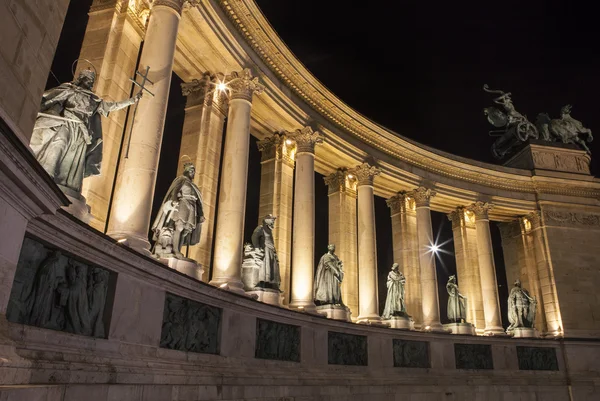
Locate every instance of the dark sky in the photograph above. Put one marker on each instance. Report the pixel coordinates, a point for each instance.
(417, 68)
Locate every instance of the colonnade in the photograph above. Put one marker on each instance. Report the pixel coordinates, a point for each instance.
(351, 200)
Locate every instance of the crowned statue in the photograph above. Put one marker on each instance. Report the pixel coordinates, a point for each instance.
(179, 220)
(521, 308)
(457, 302)
(328, 280)
(67, 136)
(394, 302)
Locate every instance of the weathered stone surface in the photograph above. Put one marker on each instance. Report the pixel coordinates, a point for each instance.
(347, 349)
(537, 358)
(473, 356)
(411, 354)
(190, 326)
(278, 341)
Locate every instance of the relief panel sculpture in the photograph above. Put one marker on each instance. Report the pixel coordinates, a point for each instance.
(537, 358)
(473, 356)
(347, 349)
(277, 341)
(411, 354)
(55, 291)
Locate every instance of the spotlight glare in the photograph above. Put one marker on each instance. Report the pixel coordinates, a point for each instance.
(221, 86)
(288, 142)
(434, 248)
(350, 176)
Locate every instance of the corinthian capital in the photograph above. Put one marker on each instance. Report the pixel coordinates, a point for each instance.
(402, 202)
(462, 216)
(277, 147)
(365, 173)
(535, 219)
(176, 5)
(422, 196)
(480, 209)
(306, 139)
(341, 181)
(242, 86)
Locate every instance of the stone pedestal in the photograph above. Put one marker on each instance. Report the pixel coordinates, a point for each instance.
(548, 158)
(335, 312)
(266, 295)
(78, 207)
(525, 332)
(400, 322)
(188, 267)
(460, 328)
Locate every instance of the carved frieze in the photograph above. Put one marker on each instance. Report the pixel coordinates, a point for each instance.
(347, 349)
(190, 326)
(473, 356)
(411, 354)
(55, 291)
(569, 219)
(558, 159)
(242, 85)
(365, 173)
(306, 139)
(277, 341)
(537, 358)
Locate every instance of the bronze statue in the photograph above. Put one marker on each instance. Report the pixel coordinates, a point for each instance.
(328, 280)
(566, 128)
(262, 238)
(457, 302)
(394, 303)
(67, 136)
(521, 308)
(179, 220)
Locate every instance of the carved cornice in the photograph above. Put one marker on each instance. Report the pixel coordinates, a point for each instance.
(277, 147)
(365, 173)
(341, 181)
(306, 139)
(422, 196)
(462, 217)
(255, 29)
(242, 85)
(402, 202)
(480, 209)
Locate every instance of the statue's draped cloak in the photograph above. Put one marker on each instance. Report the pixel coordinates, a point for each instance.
(188, 210)
(521, 309)
(327, 281)
(456, 305)
(394, 302)
(70, 150)
(262, 238)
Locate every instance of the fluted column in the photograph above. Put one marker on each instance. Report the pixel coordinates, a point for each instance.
(229, 233)
(201, 143)
(467, 264)
(132, 202)
(429, 288)
(405, 247)
(368, 299)
(487, 269)
(342, 231)
(276, 198)
(303, 246)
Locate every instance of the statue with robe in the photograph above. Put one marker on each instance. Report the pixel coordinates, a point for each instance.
(521, 308)
(179, 220)
(457, 303)
(67, 136)
(263, 245)
(328, 280)
(394, 302)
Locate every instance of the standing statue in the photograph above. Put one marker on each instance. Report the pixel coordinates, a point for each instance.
(394, 303)
(262, 238)
(516, 127)
(521, 308)
(67, 136)
(566, 128)
(457, 308)
(328, 280)
(179, 220)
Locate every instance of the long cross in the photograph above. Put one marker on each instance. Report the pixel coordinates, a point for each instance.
(142, 87)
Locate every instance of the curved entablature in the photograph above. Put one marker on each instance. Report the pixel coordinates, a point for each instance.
(294, 97)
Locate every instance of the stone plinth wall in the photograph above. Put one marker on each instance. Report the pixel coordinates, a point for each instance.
(170, 337)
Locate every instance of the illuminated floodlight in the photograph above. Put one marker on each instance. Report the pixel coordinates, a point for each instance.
(434, 248)
(221, 86)
(288, 142)
(350, 176)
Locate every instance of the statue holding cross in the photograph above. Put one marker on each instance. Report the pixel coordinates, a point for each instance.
(67, 136)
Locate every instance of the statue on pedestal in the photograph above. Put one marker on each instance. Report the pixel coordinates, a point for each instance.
(67, 136)
(457, 303)
(328, 280)
(179, 220)
(566, 128)
(260, 268)
(521, 308)
(394, 303)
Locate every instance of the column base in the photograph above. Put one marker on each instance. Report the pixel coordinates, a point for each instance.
(229, 284)
(266, 295)
(495, 332)
(303, 306)
(188, 267)
(371, 320)
(138, 244)
(460, 328)
(524, 332)
(335, 312)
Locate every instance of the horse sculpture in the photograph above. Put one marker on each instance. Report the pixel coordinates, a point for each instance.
(566, 128)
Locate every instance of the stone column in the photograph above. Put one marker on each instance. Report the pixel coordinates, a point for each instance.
(136, 179)
(368, 299)
(112, 43)
(429, 288)
(545, 274)
(201, 142)
(405, 246)
(276, 197)
(303, 245)
(467, 264)
(342, 231)
(229, 233)
(487, 270)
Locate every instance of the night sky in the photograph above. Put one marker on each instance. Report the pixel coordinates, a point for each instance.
(418, 69)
